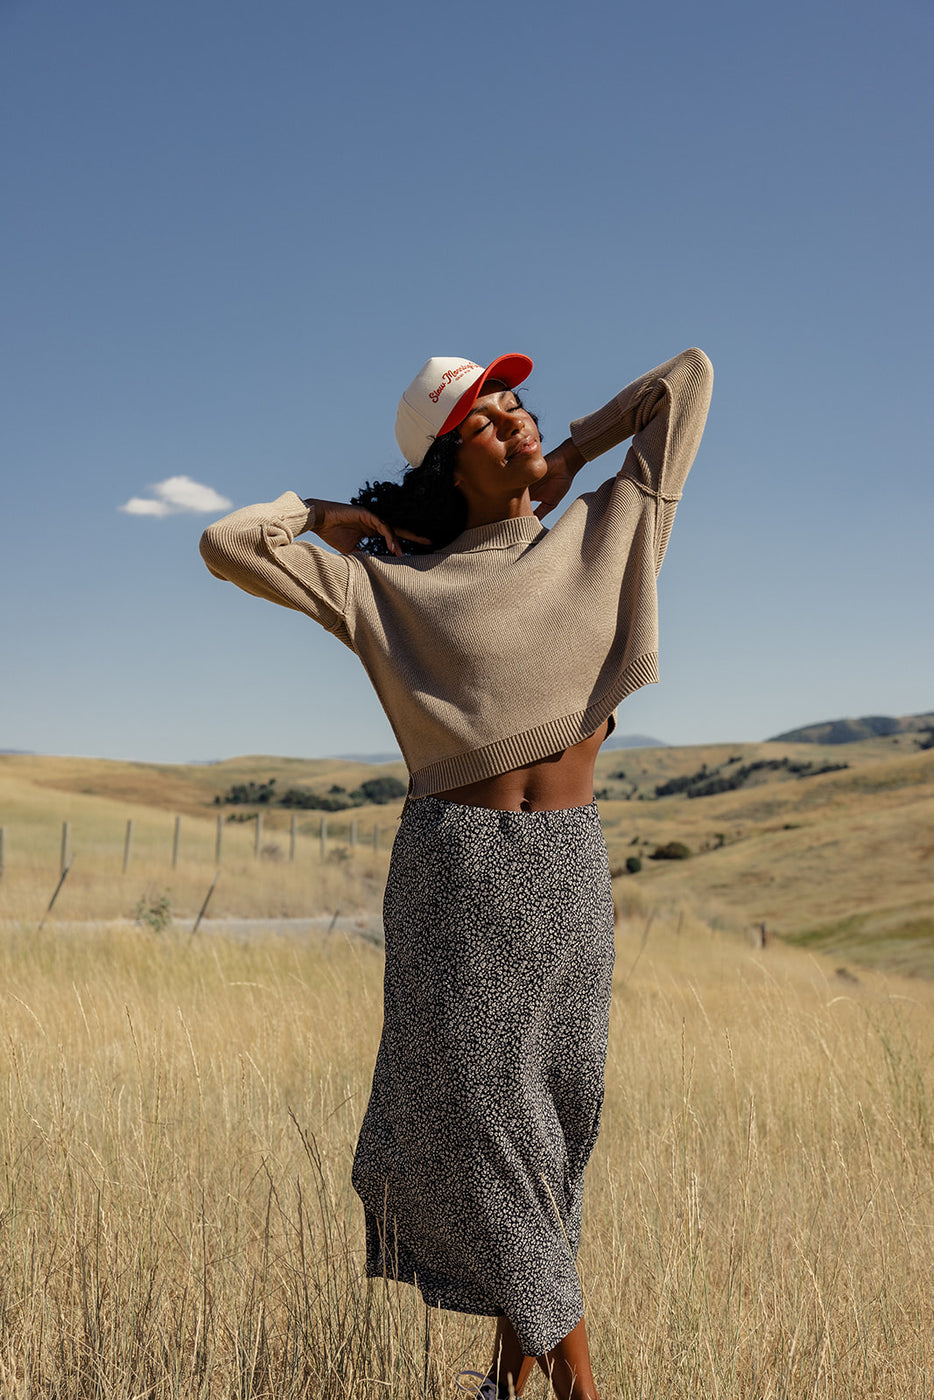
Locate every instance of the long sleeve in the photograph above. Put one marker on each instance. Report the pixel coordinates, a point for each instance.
(664, 413)
(256, 549)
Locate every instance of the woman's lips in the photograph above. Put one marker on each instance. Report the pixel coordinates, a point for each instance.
(526, 446)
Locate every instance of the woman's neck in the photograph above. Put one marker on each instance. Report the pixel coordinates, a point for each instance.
(489, 512)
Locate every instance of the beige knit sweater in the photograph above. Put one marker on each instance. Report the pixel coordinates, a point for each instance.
(514, 642)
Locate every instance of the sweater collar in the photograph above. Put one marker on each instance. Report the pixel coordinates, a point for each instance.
(500, 534)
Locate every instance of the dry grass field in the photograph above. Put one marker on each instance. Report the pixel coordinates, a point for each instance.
(179, 1114)
(178, 1119)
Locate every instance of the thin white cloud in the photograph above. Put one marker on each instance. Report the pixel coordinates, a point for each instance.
(137, 505)
(175, 496)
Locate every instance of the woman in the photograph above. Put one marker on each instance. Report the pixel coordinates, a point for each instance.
(500, 651)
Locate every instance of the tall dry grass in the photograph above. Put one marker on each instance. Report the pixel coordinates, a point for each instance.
(178, 1119)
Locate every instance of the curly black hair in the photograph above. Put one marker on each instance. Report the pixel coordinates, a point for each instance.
(425, 502)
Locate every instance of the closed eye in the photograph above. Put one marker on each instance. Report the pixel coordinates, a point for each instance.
(478, 424)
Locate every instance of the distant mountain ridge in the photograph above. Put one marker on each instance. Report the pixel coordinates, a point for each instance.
(368, 757)
(634, 741)
(850, 731)
(616, 741)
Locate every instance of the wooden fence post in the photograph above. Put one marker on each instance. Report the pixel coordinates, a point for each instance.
(324, 838)
(207, 899)
(175, 840)
(258, 835)
(219, 841)
(66, 838)
(127, 844)
(61, 881)
(293, 827)
(375, 839)
(353, 835)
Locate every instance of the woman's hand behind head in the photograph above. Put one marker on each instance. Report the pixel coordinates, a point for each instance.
(563, 462)
(424, 508)
(344, 526)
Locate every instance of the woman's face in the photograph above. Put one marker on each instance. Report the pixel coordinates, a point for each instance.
(501, 451)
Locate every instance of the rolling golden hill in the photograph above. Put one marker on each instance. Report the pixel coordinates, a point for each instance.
(837, 860)
(840, 860)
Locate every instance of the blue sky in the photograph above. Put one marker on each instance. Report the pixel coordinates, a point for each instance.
(232, 233)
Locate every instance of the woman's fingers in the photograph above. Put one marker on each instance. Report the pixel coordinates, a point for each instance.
(416, 539)
(550, 491)
(392, 538)
(343, 526)
(365, 523)
(388, 535)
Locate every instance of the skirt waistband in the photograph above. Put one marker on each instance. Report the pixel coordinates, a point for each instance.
(434, 810)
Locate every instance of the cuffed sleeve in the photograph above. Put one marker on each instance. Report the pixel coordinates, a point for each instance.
(664, 413)
(256, 549)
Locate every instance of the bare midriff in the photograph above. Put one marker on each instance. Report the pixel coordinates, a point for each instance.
(549, 785)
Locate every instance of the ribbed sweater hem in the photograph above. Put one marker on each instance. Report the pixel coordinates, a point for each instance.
(519, 750)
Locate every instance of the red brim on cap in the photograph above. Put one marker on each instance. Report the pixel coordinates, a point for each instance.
(508, 369)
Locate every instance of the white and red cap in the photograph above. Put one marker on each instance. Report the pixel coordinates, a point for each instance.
(443, 393)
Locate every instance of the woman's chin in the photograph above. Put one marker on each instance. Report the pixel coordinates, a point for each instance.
(533, 468)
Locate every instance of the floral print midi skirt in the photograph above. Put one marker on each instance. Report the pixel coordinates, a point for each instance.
(488, 1084)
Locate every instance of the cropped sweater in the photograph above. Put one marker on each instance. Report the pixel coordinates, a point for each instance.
(514, 642)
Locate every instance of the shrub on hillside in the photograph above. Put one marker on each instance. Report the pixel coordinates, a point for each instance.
(381, 790)
(254, 794)
(336, 799)
(675, 850)
(707, 783)
(154, 911)
(306, 800)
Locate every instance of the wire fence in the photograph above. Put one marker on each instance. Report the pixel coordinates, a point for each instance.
(235, 835)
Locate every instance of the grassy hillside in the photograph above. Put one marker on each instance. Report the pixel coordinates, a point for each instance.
(841, 861)
(847, 731)
(184, 787)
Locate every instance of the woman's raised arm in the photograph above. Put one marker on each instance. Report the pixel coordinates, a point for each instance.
(664, 413)
(256, 549)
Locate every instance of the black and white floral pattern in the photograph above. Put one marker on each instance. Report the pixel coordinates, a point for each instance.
(488, 1084)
